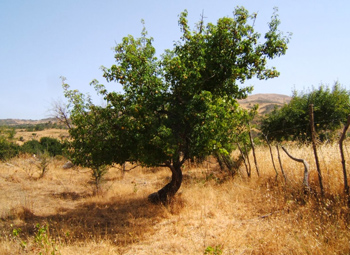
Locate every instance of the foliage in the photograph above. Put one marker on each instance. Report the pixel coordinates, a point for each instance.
(179, 107)
(32, 147)
(16, 235)
(53, 146)
(7, 132)
(30, 127)
(7, 149)
(291, 122)
(217, 250)
(40, 126)
(46, 144)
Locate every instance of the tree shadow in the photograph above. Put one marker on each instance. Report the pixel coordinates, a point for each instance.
(122, 222)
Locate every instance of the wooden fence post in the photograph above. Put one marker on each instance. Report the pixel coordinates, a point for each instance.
(248, 160)
(273, 162)
(253, 149)
(280, 161)
(346, 186)
(244, 160)
(313, 138)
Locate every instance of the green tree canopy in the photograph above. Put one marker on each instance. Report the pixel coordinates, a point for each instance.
(180, 106)
(292, 121)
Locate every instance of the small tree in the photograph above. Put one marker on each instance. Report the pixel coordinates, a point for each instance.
(92, 145)
(43, 163)
(180, 107)
(292, 121)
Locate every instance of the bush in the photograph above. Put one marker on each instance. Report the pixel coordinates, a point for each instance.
(32, 147)
(8, 149)
(291, 122)
(53, 146)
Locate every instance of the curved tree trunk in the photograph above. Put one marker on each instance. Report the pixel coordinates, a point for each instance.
(165, 194)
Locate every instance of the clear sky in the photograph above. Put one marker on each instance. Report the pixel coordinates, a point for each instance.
(42, 40)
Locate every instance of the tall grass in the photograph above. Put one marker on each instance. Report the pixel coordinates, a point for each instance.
(211, 213)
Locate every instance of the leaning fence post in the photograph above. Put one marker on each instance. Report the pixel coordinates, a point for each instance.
(253, 150)
(346, 186)
(313, 138)
(280, 161)
(273, 162)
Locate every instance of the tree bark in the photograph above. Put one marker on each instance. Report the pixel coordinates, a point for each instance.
(165, 194)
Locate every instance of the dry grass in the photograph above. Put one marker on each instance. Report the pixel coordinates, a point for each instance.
(234, 216)
(27, 136)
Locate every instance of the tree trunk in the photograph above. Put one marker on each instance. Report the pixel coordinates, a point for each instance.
(164, 195)
(226, 162)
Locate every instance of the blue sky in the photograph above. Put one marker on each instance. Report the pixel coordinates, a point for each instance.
(42, 40)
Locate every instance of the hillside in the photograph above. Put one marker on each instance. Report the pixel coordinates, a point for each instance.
(266, 102)
(16, 122)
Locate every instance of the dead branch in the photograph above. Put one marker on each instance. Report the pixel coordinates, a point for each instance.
(306, 169)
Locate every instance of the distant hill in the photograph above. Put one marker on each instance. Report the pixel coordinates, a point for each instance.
(267, 102)
(16, 122)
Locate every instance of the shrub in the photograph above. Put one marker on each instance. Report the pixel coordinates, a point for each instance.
(292, 121)
(52, 146)
(8, 149)
(32, 147)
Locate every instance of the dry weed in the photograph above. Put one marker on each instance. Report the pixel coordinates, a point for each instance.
(264, 215)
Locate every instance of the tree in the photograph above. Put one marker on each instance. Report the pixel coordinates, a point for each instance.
(291, 122)
(59, 111)
(181, 106)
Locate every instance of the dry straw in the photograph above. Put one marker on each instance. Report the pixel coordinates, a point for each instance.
(213, 213)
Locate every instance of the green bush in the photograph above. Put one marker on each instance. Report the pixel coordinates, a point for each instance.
(292, 121)
(32, 147)
(53, 146)
(8, 149)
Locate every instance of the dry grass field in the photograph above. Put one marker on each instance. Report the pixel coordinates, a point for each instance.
(212, 214)
(27, 135)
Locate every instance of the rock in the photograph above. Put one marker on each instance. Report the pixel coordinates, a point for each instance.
(67, 165)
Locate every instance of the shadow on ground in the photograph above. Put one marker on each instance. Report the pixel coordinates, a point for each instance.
(122, 222)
